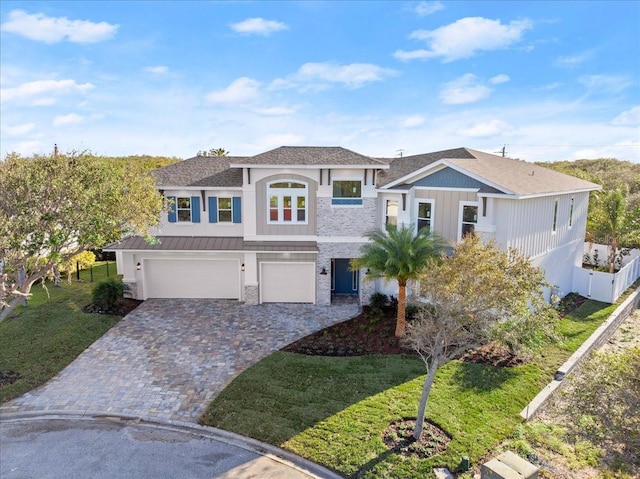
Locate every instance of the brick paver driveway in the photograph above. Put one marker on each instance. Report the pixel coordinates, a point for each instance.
(169, 358)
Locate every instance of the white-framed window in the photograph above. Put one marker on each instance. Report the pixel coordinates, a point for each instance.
(287, 202)
(183, 209)
(347, 192)
(391, 213)
(468, 218)
(425, 215)
(555, 216)
(571, 205)
(225, 210)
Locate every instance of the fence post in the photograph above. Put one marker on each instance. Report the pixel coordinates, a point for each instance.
(91, 271)
(78, 270)
(107, 268)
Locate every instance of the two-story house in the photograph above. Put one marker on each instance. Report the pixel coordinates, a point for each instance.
(281, 226)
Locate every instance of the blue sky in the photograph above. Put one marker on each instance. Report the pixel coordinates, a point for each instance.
(550, 80)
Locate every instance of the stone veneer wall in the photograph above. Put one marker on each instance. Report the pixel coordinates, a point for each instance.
(351, 222)
(327, 251)
(251, 294)
(346, 220)
(130, 290)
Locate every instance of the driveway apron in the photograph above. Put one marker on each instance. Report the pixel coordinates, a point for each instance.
(170, 357)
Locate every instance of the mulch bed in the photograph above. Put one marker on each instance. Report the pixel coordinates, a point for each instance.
(122, 307)
(367, 334)
(398, 437)
(8, 377)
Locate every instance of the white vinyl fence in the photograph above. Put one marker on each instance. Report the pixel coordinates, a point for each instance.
(606, 287)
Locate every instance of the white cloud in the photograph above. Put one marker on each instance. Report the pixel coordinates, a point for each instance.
(18, 130)
(412, 121)
(36, 90)
(463, 90)
(321, 75)
(484, 129)
(412, 55)
(275, 111)
(629, 117)
(605, 83)
(156, 70)
(46, 29)
(498, 79)
(27, 148)
(466, 37)
(572, 60)
(70, 119)
(258, 26)
(549, 87)
(239, 91)
(427, 8)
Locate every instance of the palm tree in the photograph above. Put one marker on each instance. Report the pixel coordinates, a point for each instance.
(615, 221)
(398, 254)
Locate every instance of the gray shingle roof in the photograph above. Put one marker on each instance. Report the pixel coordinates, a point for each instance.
(406, 165)
(201, 171)
(516, 176)
(311, 155)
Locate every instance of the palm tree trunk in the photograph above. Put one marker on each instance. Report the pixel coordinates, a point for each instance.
(426, 389)
(401, 322)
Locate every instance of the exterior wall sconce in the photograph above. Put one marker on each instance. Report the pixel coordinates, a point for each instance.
(323, 271)
(242, 267)
(138, 266)
(368, 271)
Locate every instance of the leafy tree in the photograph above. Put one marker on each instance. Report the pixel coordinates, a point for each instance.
(613, 222)
(399, 254)
(213, 152)
(479, 295)
(614, 175)
(55, 207)
(603, 401)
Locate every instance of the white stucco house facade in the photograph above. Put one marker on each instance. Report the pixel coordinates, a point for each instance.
(281, 226)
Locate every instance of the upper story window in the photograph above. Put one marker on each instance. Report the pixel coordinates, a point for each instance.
(225, 209)
(287, 202)
(184, 209)
(391, 214)
(425, 215)
(347, 192)
(468, 219)
(555, 216)
(571, 213)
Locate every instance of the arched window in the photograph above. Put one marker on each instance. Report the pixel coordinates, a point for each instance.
(287, 202)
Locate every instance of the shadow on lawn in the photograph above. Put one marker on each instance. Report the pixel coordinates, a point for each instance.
(481, 377)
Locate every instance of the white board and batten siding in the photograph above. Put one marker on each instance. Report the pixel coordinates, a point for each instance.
(527, 224)
(191, 278)
(287, 282)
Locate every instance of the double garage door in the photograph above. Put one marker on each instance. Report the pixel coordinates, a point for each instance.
(184, 278)
(287, 283)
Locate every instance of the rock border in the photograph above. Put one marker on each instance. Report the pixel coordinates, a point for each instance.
(597, 339)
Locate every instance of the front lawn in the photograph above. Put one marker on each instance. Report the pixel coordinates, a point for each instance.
(334, 410)
(38, 341)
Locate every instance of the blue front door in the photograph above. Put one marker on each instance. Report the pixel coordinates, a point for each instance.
(345, 281)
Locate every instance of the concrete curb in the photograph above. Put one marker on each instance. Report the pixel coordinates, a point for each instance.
(286, 458)
(597, 339)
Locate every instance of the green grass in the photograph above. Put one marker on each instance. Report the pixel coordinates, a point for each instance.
(333, 411)
(40, 340)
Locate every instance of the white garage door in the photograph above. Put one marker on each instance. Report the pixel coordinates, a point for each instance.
(164, 278)
(287, 282)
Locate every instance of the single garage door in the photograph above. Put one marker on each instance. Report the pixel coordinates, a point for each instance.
(287, 282)
(180, 278)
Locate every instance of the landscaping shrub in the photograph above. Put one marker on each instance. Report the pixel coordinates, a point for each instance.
(106, 293)
(378, 301)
